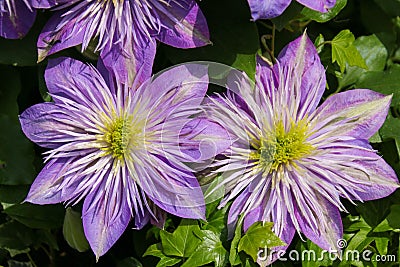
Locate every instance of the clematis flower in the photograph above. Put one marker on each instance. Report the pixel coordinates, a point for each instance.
(293, 161)
(125, 31)
(120, 149)
(16, 18)
(267, 9)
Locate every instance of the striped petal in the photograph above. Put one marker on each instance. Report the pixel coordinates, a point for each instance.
(54, 38)
(358, 113)
(44, 188)
(67, 78)
(330, 228)
(16, 25)
(101, 228)
(302, 56)
(318, 5)
(127, 60)
(184, 25)
(265, 9)
(46, 125)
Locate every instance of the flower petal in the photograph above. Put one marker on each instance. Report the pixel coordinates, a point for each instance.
(358, 113)
(207, 139)
(49, 3)
(189, 81)
(71, 79)
(184, 25)
(261, 9)
(303, 57)
(17, 25)
(131, 63)
(378, 179)
(330, 229)
(44, 188)
(44, 124)
(175, 191)
(105, 216)
(318, 5)
(55, 37)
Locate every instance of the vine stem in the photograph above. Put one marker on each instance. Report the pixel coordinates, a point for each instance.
(31, 260)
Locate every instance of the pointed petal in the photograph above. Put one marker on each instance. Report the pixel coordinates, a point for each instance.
(261, 9)
(302, 55)
(141, 219)
(207, 139)
(41, 124)
(44, 188)
(378, 179)
(131, 63)
(358, 113)
(189, 81)
(184, 25)
(52, 40)
(318, 5)
(101, 230)
(330, 228)
(178, 193)
(17, 25)
(72, 79)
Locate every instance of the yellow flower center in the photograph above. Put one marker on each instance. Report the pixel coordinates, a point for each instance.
(117, 137)
(282, 146)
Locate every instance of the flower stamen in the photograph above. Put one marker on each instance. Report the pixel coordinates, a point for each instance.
(282, 146)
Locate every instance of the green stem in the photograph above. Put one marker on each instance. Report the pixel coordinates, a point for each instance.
(265, 24)
(31, 260)
(324, 43)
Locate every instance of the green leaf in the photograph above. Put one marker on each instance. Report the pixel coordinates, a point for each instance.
(392, 221)
(344, 52)
(16, 154)
(374, 211)
(13, 193)
(259, 236)
(234, 258)
(73, 230)
(324, 17)
(168, 261)
(129, 262)
(373, 52)
(37, 216)
(319, 43)
(209, 250)
(382, 245)
(182, 242)
(156, 251)
(9, 90)
(225, 28)
(385, 82)
(308, 249)
(16, 151)
(16, 236)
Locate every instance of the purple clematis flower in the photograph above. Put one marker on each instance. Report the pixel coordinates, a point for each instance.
(120, 149)
(293, 161)
(267, 9)
(125, 31)
(16, 18)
